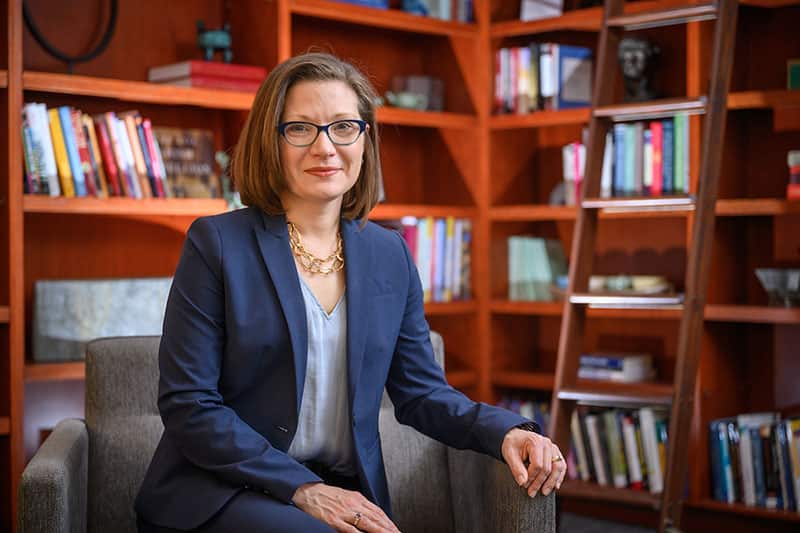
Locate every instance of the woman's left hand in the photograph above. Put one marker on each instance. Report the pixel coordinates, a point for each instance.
(546, 466)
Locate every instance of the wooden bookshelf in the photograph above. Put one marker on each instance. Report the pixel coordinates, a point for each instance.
(593, 491)
(74, 370)
(135, 91)
(393, 19)
(542, 381)
(4, 314)
(462, 379)
(461, 307)
(188, 207)
(541, 119)
(746, 510)
(398, 211)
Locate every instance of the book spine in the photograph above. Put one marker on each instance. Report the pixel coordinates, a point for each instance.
(619, 159)
(155, 183)
(129, 121)
(83, 153)
(578, 443)
(631, 451)
(667, 156)
(32, 177)
(60, 151)
(597, 454)
(95, 155)
(656, 481)
(65, 117)
(108, 159)
(125, 179)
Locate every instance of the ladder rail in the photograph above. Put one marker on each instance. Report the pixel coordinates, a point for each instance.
(583, 242)
(692, 324)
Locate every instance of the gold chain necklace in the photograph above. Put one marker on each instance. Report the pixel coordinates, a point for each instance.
(311, 263)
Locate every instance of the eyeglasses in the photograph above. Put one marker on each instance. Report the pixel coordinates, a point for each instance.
(340, 132)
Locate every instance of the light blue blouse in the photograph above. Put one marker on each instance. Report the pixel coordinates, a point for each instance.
(323, 430)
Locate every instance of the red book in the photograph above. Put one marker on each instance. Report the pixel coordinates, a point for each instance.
(793, 191)
(193, 68)
(107, 155)
(657, 140)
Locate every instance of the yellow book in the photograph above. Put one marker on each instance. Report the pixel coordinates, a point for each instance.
(60, 149)
(88, 125)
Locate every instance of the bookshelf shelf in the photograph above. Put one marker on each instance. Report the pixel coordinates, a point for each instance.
(397, 211)
(524, 380)
(462, 379)
(136, 91)
(757, 207)
(534, 212)
(600, 392)
(3, 78)
(393, 19)
(593, 491)
(425, 119)
(4, 314)
(753, 314)
(651, 109)
(5, 425)
(746, 510)
(589, 19)
(451, 308)
(506, 307)
(540, 119)
(191, 207)
(763, 99)
(75, 370)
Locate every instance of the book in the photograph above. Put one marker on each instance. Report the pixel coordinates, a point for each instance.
(188, 156)
(574, 77)
(540, 9)
(213, 82)
(71, 145)
(60, 151)
(215, 69)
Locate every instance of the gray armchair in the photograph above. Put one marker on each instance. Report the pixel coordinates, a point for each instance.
(87, 473)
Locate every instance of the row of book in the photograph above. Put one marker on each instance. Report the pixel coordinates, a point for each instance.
(624, 448)
(542, 76)
(755, 460)
(534, 266)
(531, 409)
(441, 249)
(456, 10)
(73, 154)
(640, 159)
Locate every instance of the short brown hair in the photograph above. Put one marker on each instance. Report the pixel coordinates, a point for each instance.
(256, 165)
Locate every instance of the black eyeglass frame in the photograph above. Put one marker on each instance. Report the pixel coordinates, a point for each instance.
(362, 126)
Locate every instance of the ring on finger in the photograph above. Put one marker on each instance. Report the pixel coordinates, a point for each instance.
(356, 519)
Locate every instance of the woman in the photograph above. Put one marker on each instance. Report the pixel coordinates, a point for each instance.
(285, 322)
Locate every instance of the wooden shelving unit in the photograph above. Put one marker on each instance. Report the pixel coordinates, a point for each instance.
(393, 19)
(593, 491)
(190, 207)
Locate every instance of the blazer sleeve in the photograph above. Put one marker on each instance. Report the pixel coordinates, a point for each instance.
(207, 432)
(423, 399)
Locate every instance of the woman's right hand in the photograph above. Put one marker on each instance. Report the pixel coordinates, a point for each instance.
(343, 510)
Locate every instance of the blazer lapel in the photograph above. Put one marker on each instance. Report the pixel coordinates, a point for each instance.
(358, 264)
(273, 241)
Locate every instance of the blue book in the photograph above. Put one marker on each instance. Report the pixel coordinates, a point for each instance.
(667, 155)
(758, 467)
(574, 77)
(629, 186)
(71, 143)
(787, 483)
(719, 490)
(618, 182)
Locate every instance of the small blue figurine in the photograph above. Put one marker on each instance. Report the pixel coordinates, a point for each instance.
(212, 40)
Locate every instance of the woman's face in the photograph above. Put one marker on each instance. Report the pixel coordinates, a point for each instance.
(322, 172)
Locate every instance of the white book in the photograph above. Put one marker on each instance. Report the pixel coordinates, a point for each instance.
(631, 450)
(597, 450)
(647, 160)
(606, 178)
(42, 130)
(127, 154)
(650, 444)
(746, 422)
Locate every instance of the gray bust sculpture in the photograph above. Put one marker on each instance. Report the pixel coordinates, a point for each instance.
(638, 59)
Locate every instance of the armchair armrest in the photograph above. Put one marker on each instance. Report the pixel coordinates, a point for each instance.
(486, 497)
(52, 493)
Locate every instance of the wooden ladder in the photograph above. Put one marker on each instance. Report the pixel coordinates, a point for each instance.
(568, 391)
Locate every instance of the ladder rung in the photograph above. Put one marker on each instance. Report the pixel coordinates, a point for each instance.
(628, 301)
(665, 17)
(664, 107)
(586, 396)
(655, 203)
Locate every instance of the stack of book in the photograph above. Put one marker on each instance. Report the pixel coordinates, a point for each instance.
(542, 76)
(441, 249)
(209, 74)
(619, 367)
(73, 154)
(640, 159)
(534, 266)
(624, 448)
(457, 10)
(755, 460)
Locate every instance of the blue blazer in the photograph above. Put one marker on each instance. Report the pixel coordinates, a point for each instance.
(233, 360)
